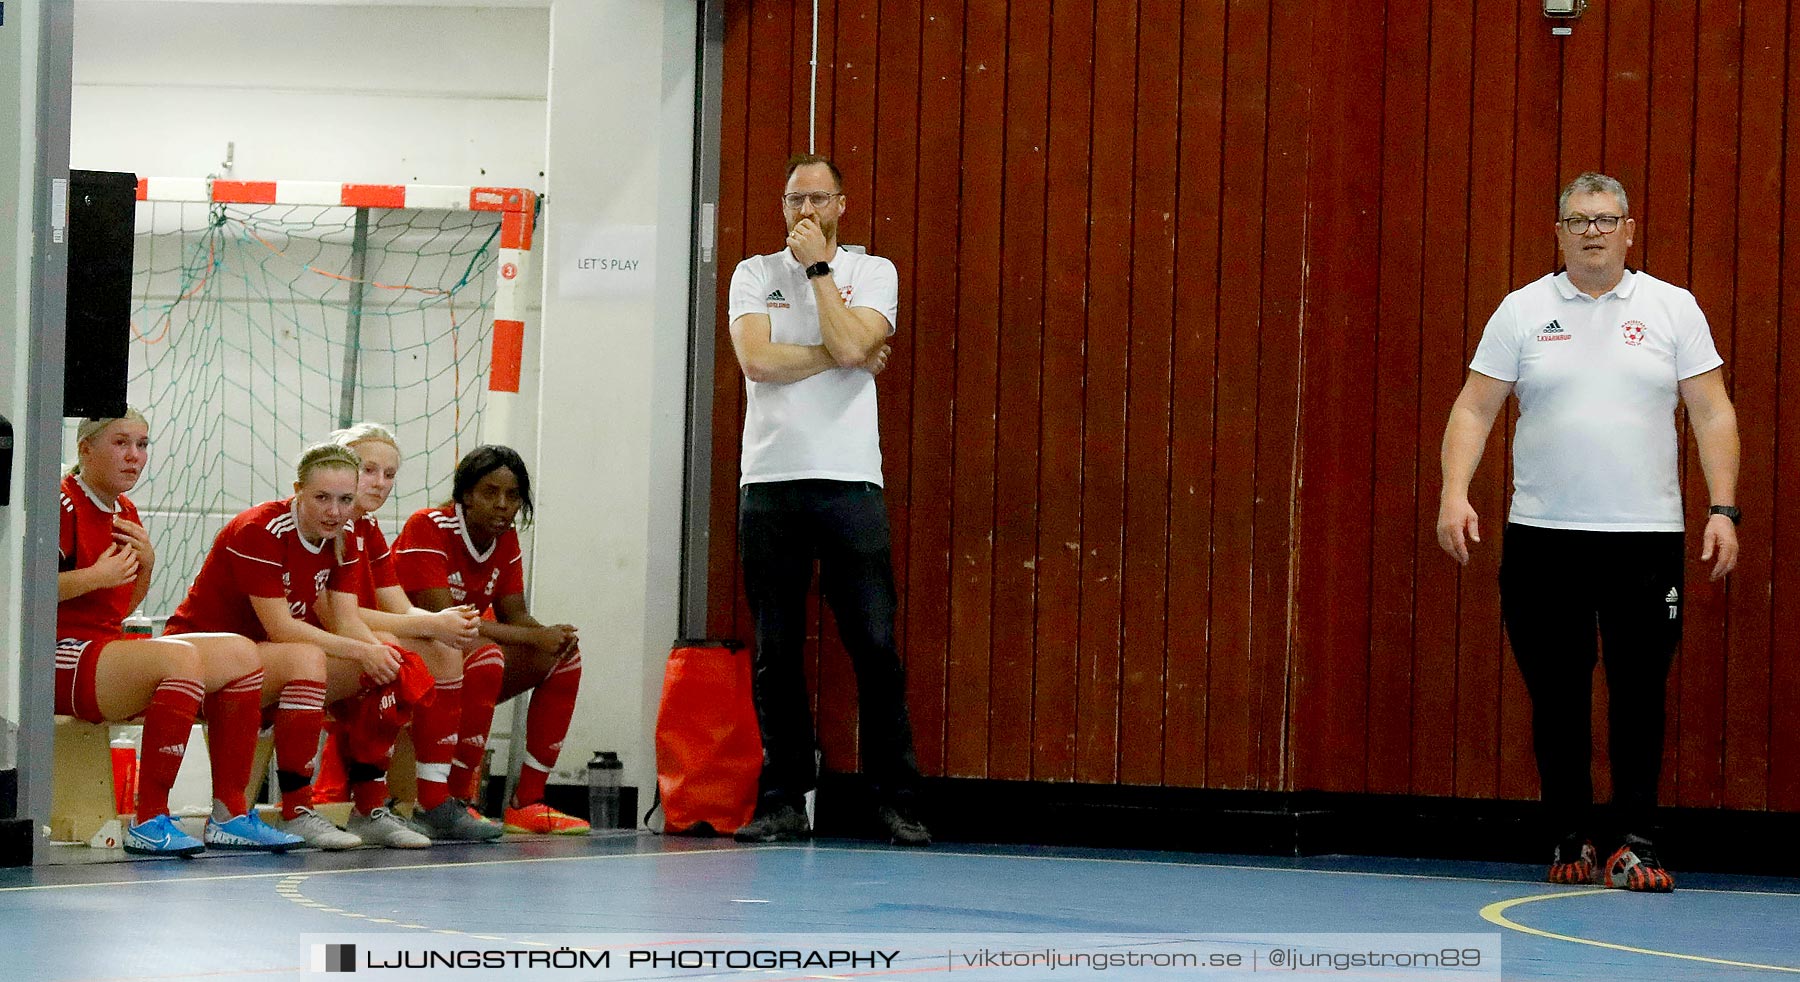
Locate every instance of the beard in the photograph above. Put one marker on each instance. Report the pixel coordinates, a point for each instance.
(827, 228)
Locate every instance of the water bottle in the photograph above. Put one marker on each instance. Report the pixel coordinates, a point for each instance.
(125, 773)
(604, 775)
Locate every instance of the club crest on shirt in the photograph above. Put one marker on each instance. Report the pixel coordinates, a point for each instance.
(1634, 332)
(845, 292)
(1553, 332)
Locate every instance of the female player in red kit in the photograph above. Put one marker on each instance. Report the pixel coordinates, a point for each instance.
(467, 552)
(284, 575)
(105, 564)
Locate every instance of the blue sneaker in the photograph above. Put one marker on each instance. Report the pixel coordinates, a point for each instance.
(160, 836)
(248, 831)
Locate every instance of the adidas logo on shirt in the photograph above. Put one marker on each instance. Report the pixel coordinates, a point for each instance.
(1673, 596)
(777, 300)
(1553, 331)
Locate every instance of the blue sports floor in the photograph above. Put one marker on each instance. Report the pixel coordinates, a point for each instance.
(241, 917)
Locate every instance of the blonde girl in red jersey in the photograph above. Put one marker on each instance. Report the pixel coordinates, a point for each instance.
(467, 551)
(284, 575)
(105, 564)
(439, 637)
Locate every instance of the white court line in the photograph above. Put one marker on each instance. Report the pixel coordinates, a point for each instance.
(1260, 869)
(166, 880)
(922, 853)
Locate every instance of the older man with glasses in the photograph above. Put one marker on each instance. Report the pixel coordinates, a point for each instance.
(810, 325)
(1598, 356)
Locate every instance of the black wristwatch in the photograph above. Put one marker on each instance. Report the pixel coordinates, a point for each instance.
(1729, 511)
(818, 269)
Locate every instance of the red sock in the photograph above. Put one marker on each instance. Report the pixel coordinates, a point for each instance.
(546, 723)
(369, 795)
(299, 715)
(434, 741)
(167, 723)
(329, 778)
(232, 716)
(483, 671)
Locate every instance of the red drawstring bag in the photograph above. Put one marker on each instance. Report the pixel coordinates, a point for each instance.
(708, 747)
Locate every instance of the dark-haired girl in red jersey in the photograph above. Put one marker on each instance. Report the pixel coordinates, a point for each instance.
(467, 552)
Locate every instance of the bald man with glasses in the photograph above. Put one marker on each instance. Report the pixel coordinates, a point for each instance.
(1598, 357)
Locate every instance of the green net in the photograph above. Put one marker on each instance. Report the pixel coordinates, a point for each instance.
(258, 329)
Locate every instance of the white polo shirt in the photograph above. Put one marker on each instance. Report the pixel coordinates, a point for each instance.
(1597, 381)
(824, 426)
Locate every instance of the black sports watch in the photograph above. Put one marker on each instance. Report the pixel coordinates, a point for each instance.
(820, 268)
(1729, 511)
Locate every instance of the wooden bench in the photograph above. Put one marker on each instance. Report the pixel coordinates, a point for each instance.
(81, 792)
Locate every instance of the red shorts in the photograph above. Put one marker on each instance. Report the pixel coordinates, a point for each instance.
(76, 661)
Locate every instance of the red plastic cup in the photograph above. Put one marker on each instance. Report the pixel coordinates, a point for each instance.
(124, 767)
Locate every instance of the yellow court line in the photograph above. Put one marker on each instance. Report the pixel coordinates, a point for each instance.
(1495, 913)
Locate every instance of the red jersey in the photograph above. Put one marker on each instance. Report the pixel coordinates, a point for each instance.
(87, 531)
(261, 553)
(434, 551)
(377, 569)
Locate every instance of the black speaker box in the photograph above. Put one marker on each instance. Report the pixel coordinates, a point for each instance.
(102, 223)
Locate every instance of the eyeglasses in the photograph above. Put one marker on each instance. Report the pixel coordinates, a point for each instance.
(1604, 224)
(819, 199)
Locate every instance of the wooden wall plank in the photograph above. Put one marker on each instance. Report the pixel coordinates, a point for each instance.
(1103, 411)
(1535, 184)
(934, 365)
(1331, 674)
(1278, 385)
(1230, 743)
(1782, 521)
(1757, 176)
(983, 74)
(1053, 719)
(1703, 655)
(1145, 602)
(1198, 237)
(1664, 249)
(1020, 389)
(1401, 519)
(1479, 668)
(1442, 370)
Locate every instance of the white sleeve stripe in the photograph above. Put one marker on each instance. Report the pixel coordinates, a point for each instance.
(234, 552)
(434, 552)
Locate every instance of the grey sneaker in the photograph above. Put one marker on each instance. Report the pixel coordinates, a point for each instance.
(782, 823)
(317, 831)
(451, 822)
(902, 828)
(384, 828)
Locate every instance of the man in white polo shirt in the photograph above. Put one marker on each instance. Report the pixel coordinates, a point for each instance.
(810, 326)
(1598, 356)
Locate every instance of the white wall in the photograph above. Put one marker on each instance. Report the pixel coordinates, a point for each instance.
(610, 459)
(372, 93)
(589, 100)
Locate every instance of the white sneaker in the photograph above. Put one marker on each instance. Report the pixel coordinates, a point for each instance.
(318, 832)
(381, 827)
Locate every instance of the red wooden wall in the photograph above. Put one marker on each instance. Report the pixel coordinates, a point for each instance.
(1188, 289)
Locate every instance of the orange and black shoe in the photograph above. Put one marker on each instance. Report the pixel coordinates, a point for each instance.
(541, 819)
(1574, 862)
(1635, 866)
